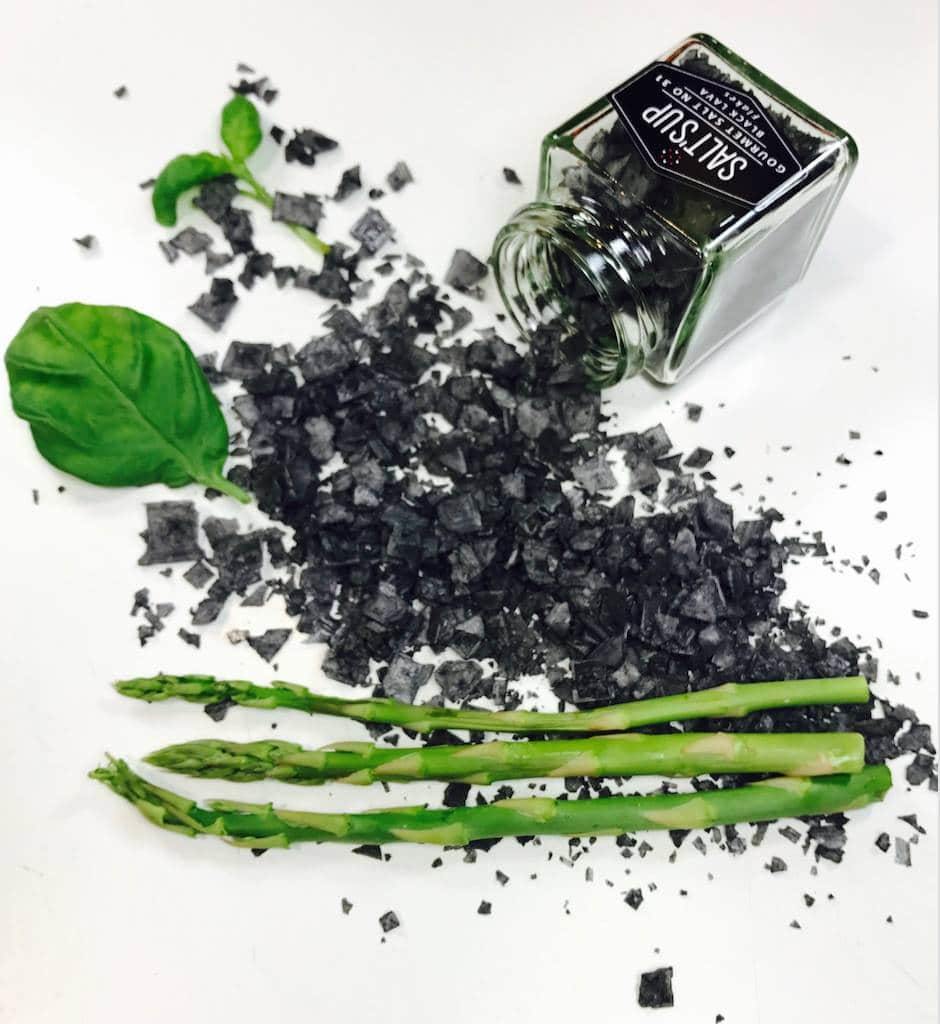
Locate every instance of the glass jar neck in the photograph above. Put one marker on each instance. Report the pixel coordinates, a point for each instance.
(582, 269)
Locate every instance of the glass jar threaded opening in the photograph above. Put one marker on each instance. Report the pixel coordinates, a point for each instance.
(555, 265)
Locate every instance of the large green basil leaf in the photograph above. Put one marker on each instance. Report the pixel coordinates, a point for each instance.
(241, 127)
(117, 398)
(182, 173)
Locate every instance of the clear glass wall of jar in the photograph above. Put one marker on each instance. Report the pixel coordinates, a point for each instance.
(670, 213)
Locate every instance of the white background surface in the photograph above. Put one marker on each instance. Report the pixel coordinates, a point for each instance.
(106, 919)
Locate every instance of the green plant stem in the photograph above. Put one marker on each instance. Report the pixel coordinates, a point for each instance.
(223, 485)
(261, 195)
(261, 825)
(730, 700)
(674, 754)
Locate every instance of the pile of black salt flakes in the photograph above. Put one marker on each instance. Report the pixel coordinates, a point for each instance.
(447, 491)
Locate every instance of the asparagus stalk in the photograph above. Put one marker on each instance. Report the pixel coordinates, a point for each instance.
(730, 700)
(261, 825)
(678, 754)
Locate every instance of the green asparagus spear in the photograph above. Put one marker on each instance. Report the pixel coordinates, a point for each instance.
(261, 825)
(676, 754)
(730, 700)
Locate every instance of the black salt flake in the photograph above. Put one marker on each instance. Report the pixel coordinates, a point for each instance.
(389, 921)
(193, 639)
(306, 145)
(634, 898)
(372, 230)
(269, 642)
(214, 306)
(369, 850)
(349, 182)
(245, 359)
(399, 176)
(305, 211)
(404, 677)
(656, 988)
(465, 271)
(191, 241)
(218, 709)
(215, 197)
(216, 261)
(455, 794)
(171, 534)
(699, 458)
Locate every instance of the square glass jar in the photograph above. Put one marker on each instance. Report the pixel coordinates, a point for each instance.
(671, 212)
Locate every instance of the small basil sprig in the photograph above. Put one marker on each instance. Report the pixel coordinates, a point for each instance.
(117, 398)
(241, 132)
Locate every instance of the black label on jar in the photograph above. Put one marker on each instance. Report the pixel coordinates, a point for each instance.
(704, 132)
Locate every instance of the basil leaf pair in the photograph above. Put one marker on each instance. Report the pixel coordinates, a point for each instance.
(117, 398)
(241, 133)
(240, 129)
